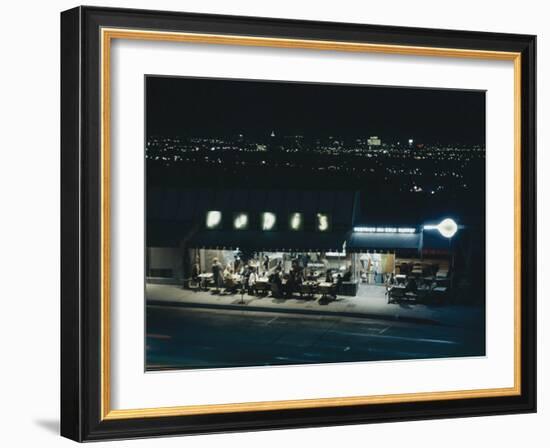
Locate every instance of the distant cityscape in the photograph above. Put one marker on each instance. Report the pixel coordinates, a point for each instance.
(409, 166)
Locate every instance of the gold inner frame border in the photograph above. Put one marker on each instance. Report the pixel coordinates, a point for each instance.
(107, 35)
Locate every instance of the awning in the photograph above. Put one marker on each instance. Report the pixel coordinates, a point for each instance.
(363, 242)
(268, 241)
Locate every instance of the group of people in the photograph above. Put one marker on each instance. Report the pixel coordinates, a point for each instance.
(243, 276)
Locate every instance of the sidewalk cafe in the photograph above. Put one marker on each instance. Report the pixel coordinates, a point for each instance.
(281, 265)
(288, 244)
(312, 266)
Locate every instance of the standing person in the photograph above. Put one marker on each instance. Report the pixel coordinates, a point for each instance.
(266, 263)
(339, 282)
(217, 273)
(369, 265)
(300, 275)
(195, 272)
(237, 264)
(291, 284)
(276, 283)
(389, 284)
(246, 275)
(252, 279)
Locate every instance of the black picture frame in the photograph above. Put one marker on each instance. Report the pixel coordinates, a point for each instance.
(81, 381)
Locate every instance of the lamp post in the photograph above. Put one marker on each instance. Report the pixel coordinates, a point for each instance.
(447, 229)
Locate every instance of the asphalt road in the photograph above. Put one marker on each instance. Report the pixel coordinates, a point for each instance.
(184, 338)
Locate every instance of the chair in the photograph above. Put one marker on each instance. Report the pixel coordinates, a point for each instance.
(396, 294)
(193, 284)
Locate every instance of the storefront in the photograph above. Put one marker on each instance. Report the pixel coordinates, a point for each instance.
(416, 263)
(380, 249)
(190, 228)
(275, 259)
(203, 238)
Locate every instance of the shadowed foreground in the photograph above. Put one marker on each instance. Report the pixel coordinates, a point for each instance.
(185, 338)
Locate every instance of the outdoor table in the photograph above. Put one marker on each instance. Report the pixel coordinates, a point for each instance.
(424, 292)
(261, 285)
(326, 289)
(204, 278)
(440, 292)
(308, 288)
(396, 292)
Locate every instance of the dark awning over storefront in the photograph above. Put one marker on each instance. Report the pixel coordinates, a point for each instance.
(363, 242)
(177, 218)
(269, 241)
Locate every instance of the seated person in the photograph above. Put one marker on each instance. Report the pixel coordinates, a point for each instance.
(229, 282)
(276, 284)
(347, 276)
(195, 272)
(252, 279)
(391, 279)
(411, 285)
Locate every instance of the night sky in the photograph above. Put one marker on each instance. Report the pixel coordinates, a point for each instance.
(217, 107)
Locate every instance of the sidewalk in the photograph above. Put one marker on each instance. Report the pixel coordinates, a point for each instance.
(370, 303)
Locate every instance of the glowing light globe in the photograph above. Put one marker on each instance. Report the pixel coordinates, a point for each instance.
(268, 221)
(241, 221)
(322, 222)
(213, 219)
(447, 228)
(296, 221)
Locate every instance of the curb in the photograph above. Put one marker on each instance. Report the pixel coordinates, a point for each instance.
(246, 307)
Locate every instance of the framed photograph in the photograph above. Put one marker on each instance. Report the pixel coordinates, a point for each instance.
(276, 224)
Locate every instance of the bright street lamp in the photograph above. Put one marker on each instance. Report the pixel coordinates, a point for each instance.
(447, 228)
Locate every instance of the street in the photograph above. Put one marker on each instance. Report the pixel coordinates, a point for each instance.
(185, 338)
